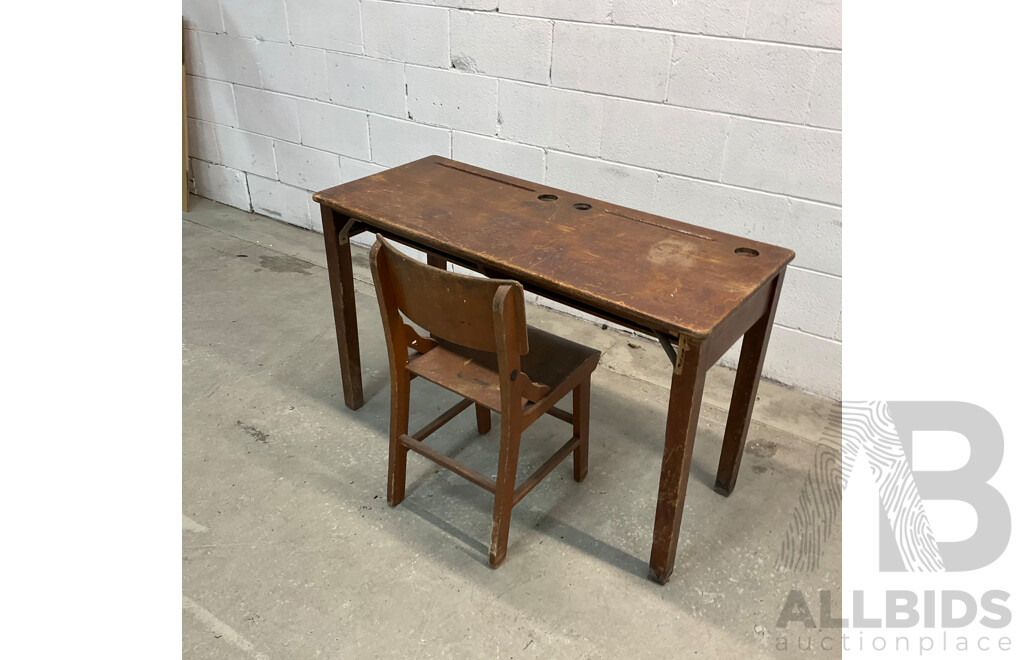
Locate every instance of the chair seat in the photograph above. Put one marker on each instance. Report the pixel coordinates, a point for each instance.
(552, 360)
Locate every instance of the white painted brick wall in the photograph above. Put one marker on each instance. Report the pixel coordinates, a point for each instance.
(307, 168)
(502, 46)
(550, 117)
(515, 159)
(278, 200)
(262, 19)
(826, 104)
(720, 17)
(781, 158)
(811, 302)
(752, 79)
(663, 137)
(242, 150)
(395, 142)
(330, 24)
(220, 57)
(211, 100)
(722, 113)
(202, 140)
(597, 11)
(368, 84)
(267, 113)
(619, 184)
(202, 15)
(220, 183)
(333, 128)
(352, 169)
(453, 99)
(485, 5)
(634, 63)
(294, 70)
(408, 33)
(810, 22)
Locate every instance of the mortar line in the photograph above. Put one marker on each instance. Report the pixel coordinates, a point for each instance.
(603, 95)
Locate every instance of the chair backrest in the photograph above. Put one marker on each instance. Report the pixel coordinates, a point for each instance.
(462, 309)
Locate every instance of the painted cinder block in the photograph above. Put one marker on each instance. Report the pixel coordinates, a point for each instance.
(221, 184)
(246, 151)
(809, 22)
(793, 160)
(202, 15)
(407, 33)
(721, 17)
(662, 137)
(811, 302)
(211, 100)
(262, 19)
(202, 141)
(611, 60)
(549, 117)
(514, 159)
(309, 169)
(809, 362)
(502, 46)
(453, 99)
(395, 142)
(280, 201)
(590, 11)
(352, 169)
(610, 182)
(826, 105)
(295, 70)
(330, 24)
(752, 79)
(332, 128)
(267, 113)
(222, 57)
(367, 84)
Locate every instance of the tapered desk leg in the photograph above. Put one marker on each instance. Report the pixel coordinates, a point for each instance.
(339, 270)
(680, 431)
(744, 393)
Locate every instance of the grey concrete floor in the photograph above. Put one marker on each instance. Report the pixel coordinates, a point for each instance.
(290, 550)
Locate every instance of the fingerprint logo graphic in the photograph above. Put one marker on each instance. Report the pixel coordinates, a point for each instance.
(869, 428)
(854, 429)
(817, 513)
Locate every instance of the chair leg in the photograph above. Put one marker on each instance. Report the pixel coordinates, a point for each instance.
(581, 429)
(508, 461)
(483, 419)
(398, 453)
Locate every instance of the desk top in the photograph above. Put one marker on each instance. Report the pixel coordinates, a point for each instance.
(659, 273)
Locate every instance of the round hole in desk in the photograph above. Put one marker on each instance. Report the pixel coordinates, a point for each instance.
(547, 198)
(746, 252)
(580, 206)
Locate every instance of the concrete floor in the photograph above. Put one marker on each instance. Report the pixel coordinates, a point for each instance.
(290, 550)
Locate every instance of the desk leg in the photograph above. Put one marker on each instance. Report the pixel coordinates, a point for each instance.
(683, 411)
(339, 270)
(744, 393)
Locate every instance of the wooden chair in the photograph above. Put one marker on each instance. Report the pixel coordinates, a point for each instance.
(481, 348)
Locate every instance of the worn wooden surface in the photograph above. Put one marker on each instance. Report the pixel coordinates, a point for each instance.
(658, 273)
